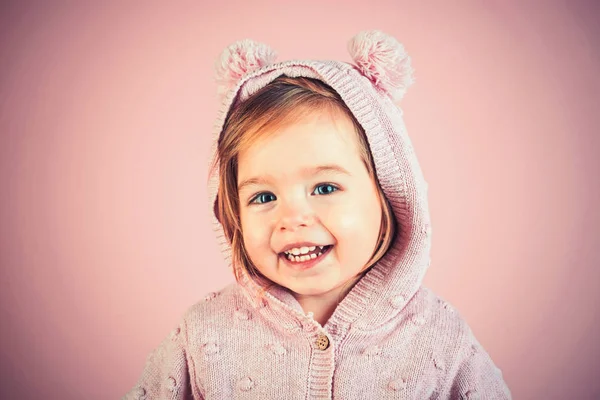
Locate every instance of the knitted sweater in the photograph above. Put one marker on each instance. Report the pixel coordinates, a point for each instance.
(389, 338)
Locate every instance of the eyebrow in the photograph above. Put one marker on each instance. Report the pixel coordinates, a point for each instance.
(305, 172)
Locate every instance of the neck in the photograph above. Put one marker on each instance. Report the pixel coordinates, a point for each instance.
(323, 305)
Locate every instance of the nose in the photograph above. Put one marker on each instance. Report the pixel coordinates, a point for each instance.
(295, 215)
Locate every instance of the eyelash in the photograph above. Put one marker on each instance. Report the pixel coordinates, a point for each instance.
(335, 189)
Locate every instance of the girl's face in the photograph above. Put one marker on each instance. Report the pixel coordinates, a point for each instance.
(302, 187)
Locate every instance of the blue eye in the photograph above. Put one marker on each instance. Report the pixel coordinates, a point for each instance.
(325, 188)
(263, 198)
(266, 197)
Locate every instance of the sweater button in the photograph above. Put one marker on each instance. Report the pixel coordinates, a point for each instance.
(322, 342)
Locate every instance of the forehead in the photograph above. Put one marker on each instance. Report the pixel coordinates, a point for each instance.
(317, 138)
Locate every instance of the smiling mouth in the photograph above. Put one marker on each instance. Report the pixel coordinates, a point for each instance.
(306, 253)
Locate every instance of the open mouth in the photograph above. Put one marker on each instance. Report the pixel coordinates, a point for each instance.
(304, 254)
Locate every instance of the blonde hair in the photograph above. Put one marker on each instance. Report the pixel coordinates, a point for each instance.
(282, 101)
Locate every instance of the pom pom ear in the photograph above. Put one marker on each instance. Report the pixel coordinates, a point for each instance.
(383, 60)
(240, 58)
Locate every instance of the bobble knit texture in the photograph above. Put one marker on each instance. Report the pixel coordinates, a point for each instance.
(389, 338)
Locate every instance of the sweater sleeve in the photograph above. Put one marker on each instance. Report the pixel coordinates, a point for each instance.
(478, 378)
(166, 374)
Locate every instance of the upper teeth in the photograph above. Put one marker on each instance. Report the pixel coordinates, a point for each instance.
(302, 250)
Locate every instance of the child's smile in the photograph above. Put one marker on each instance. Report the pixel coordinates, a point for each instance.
(306, 256)
(309, 210)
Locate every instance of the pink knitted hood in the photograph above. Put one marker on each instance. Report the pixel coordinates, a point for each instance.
(370, 87)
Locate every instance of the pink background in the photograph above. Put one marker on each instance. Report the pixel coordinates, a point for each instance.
(106, 114)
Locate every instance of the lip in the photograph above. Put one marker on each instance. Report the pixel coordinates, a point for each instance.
(298, 245)
(302, 266)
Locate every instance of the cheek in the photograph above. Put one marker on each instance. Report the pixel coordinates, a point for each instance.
(356, 231)
(364, 223)
(361, 212)
(255, 234)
